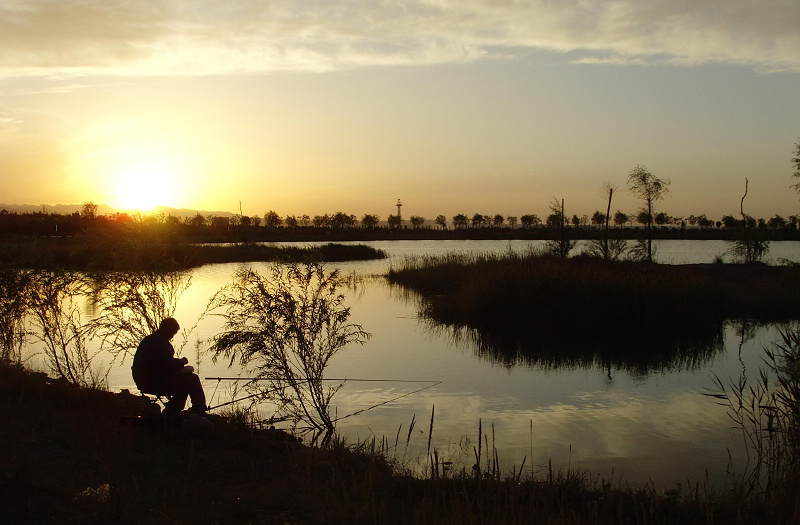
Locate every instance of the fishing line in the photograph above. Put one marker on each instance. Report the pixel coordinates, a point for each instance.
(305, 379)
(433, 383)
(357, 412)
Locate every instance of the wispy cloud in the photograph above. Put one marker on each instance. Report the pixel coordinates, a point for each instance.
(238, 36)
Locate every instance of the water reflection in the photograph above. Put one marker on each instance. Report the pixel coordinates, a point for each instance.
(656, 349)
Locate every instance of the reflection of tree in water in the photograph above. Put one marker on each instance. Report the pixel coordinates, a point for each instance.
(636, 350)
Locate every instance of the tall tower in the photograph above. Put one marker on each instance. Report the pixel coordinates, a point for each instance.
(399, 205)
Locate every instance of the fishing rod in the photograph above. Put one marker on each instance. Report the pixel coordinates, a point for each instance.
(303, 379)
(432, 384)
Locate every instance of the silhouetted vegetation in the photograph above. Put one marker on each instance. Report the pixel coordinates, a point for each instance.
(534, 308)
(76, 455)
(285, 328)
(767, 413)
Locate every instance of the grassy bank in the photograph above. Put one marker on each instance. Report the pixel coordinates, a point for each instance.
(133, 252)
(59, 440)
(551, 312)
(588, 294)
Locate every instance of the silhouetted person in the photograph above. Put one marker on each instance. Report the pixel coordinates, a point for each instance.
(157, 371)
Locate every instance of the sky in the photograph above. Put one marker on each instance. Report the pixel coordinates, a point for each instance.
(450, 106)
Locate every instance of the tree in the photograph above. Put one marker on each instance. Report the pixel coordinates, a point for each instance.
(478, 220)
(272, 219)
(369, 221)
(704, 222)
(730, 221)
(749, 247)
(530, 219)
(417, 221)
(796, 162)
(441, 221)
(650, 189)
(662, 219)
(606, 248)
(290, 221)
(557, 219)
(89, 210)
(777, 222)
(512, 221)
(498, 220)
(342, 220)
(460, 221)
(394, 221)
(620, 218)
(197, 221)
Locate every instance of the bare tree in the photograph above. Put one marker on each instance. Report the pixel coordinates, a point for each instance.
(650, 189)
(796, 162)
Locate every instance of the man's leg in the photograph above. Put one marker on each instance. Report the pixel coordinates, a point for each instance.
(188, 384)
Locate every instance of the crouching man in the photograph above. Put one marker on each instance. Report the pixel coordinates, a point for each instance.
(157, 371)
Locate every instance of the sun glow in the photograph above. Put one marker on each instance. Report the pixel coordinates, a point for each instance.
(144, 184)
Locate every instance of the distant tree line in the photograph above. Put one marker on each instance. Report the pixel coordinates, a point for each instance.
(42, 223)
(643, 184)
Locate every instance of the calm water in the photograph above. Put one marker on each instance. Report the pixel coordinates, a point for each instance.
(639, 427)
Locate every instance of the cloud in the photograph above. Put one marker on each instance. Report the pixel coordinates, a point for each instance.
(237, 36)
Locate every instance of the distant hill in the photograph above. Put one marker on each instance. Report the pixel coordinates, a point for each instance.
(104, 209)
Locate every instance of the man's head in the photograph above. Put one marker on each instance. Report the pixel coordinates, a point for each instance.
(168, 328)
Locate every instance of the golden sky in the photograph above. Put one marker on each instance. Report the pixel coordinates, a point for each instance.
(451, 106)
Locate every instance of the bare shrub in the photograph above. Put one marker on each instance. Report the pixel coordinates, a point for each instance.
(55, 312)
(285, 328)
(15, 289)
(130, 306)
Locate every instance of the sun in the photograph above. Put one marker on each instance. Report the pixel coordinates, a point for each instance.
(144, 184)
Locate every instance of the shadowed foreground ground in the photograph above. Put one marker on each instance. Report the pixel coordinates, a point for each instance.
(57, 441)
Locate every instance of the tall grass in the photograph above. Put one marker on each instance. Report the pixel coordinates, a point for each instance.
(767, 413)
(532, 307)
(390, 488)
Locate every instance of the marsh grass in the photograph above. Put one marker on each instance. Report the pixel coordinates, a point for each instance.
(584, 297)
(147, 251)
(766, 412)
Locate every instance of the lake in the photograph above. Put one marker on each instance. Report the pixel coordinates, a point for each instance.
(651, 427)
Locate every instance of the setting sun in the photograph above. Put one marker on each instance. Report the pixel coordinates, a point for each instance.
(145, 184)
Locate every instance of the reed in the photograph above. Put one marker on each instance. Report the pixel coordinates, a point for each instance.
(519, 299)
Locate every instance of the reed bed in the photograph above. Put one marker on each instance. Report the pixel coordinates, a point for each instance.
(152, 252)
(542, 296)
